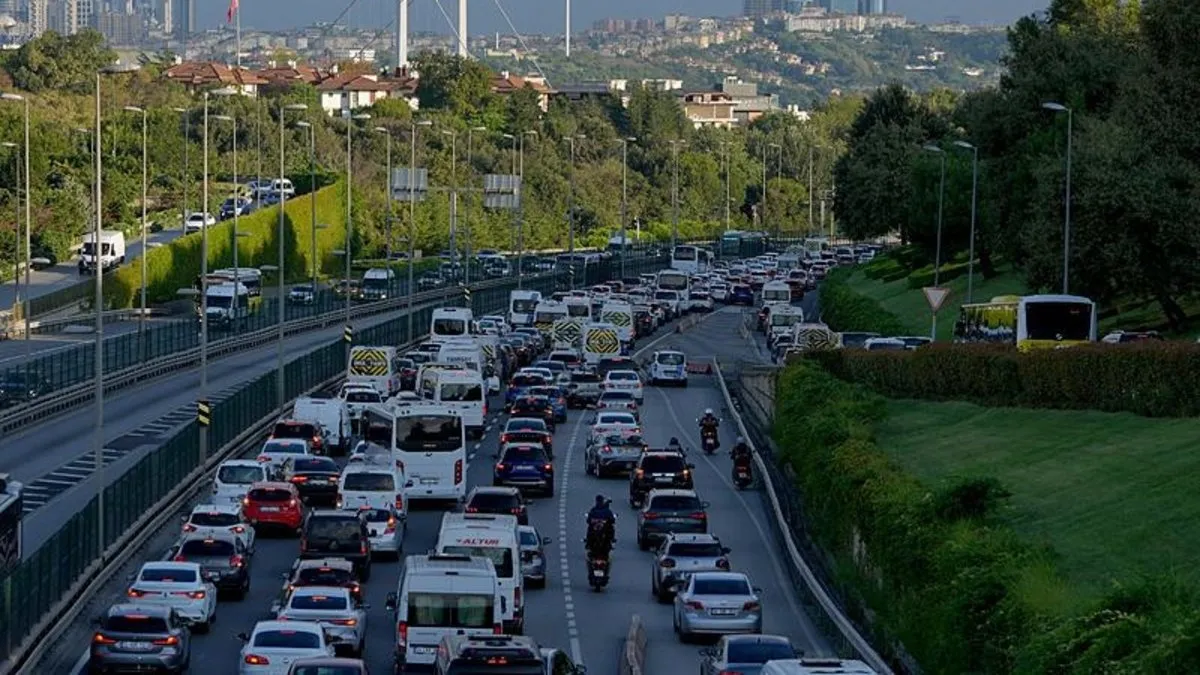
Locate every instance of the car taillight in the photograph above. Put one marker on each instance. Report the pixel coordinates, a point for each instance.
(699, 515)
(344, 622)
(237, 561)
(472, 509)
(516, 510)
(666, 563)
(390, 528)
(189, 527)
(245, 501)
(501, 466)
(263, 458)
(299, 479)
(293, 502)
(723, 563)
(197, 595)
(179, 558)
(641, 473)
(99, 639)
(135, 593)
(399, 501)
(650, 515)
(752, 606)
(693, 604)
(402, 634)
(498, 629)
(458, 471)
(256, 660)
(547, 467)
(238, 529)
(167, 641)
(365, 547)
(606, 450)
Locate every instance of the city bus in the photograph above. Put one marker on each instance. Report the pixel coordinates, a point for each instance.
(673, 280)
(738, 244)
(1029, 322)
(691, 259)
(428, 441)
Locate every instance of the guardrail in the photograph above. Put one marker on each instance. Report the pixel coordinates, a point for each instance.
(83, 393)
(633, 656)
(824, 601)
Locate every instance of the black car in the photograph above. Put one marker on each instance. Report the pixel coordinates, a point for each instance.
(18, 387)
(315, 478)
(537, 407)
(337, 534)
(224, 561)
(502, 501)
(658, 470)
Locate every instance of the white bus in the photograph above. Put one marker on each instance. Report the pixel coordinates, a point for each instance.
(428, 441)
(521, 306)
(449, 323)
(674, 280)
(463, 390)
(691, 259)
(579, 308)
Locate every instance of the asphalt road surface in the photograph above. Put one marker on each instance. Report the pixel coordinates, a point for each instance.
(590, 626)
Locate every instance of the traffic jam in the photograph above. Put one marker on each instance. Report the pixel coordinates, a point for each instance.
(335, 481)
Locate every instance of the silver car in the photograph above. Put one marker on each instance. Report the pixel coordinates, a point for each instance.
(343, 618)
(386, 529)
(681, 555)
(140, 637)
(745, 654)
(716, 603)
(533, 556)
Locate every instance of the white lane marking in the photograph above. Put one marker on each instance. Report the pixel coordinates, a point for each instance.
(780, 575)
(83, 661)
(563, 555)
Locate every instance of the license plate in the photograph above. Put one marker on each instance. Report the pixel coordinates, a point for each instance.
(270, 509)
(664, 479)
(429, 481)
(724, 612)
(135, 646)
(599, 573)
(212, 576)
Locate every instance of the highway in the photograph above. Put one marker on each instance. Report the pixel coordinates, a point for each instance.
(590, 626)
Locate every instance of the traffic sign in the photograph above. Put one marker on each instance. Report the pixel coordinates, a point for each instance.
(348, 334)
(935, 296)
(203, 413)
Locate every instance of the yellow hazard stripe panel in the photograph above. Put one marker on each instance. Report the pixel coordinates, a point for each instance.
(369, 363)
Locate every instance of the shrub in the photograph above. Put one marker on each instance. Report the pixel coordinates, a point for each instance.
(924, 276)
(844, 309)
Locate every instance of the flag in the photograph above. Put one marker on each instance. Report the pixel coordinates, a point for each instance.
(233, 9)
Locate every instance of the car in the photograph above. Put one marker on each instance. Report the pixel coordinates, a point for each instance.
(668, 366)
(719, 292)
(524, 465)
(528, 430)
(407, 367)
(883, 344)
(741, 294)
(342, 616)
(584, 389)
(234, 479)
(626, 381)
(912, 342)
(386, 527)
(505, 501)
(213, 518)
(560, 372)
(682, 554)
(618, 400)
(328, 665)
(700, 301)
(717, 603)
(670, 511)
(274, 505)
(608, 363)
(612, 452)
(301, 430)
(337, 533)
(179, 586)
(139, 637)
(519, 386)
(612, 420)
(18, 387)
(533, 556)
(196, 222)
(275, 450)
(336, 572)
(534, 407)
(558, 401)
(232, 206)
(315, 478)
(223, 558)
(856, 339)
(1117, 337)
(302, 294)
(569, 358)
(273, 644)
(535, 336)
(745, 654)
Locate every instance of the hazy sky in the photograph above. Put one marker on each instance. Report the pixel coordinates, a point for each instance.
(544, 16)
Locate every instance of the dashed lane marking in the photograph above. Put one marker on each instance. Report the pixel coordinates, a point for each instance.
(563, 555)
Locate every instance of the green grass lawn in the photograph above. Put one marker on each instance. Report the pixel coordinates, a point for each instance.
(1114, 495)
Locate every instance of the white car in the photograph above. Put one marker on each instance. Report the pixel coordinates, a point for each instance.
(207, 519)
(302, 294)
(274, 645)
(178, 585)
(386, 528)
(668, 366)
(625, 380)
(234, 478)
(196, 222)
(719, 292)
(700, 301)
(343, 619)
(276, 450)
(544, 372)
(615, 420)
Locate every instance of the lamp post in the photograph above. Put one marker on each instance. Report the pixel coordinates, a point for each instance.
(467, 245)
(187, 142)
(453, 195)
(145, 247)
(571, 209)
(1066, 271)
(778, 170)
(236, 273)
(675, 190)
(280, 381)
(974, 198)
(349, 220)
(521, 208)
(517, 195)
(624, 196)
(387, 181)
(312, 198)
(811, 146)
(412, 218)
(937, 258)
(16, 193)
(728, 165)
(28, 218)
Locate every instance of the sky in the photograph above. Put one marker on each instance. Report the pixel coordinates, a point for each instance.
(546, 16)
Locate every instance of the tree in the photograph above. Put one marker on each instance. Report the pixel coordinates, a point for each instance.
(54, 61)
(450, 82)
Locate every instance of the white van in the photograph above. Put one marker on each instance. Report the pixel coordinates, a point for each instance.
(367, 483)
(470, 354)
(377, 283)
(112, 251)
(816, 667)
(375, 366)
(463, 390)
(521, 306)
(496, 538)
(600, 341)
(668, 367)
(776, 293)
(450, 322)
(283, 185)
(620, 315)
(333, 417)
(227, 304)
(234, 478)
(442, 595)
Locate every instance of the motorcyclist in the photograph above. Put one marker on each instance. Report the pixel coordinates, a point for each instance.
(741, 455)
(601, 513)
(709, 421)
(675, 446)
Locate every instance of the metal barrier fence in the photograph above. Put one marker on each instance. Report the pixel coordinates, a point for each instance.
(39, 583)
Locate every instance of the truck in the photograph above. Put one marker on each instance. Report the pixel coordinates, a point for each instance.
(376, 367)
(228, 304)
(112, 252)
(521, 307)
(377, 283)
(620, 315)
(600, 340)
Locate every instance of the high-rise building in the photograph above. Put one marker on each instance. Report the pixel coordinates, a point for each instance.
(841, 6)
(165, 16)
(184, 18)
(762, 7)
(38, 16)
(872, 6)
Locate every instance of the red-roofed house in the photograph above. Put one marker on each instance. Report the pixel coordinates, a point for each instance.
(506, 83)
(343, 93)
(196, 75)
(293, 74)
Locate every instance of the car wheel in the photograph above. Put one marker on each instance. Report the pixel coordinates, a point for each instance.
(550, 490)
(643, 544)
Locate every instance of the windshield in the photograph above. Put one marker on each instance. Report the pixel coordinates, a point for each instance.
(240, 475)
(663, 464)
(529, 666)
(207, 548)
(369, 482)
(303, 464)
(294, 430)
(429, 433)
(1058, 320)
(548, 392)
(674, 282)
(169, 574)
(665, 295)
(548, 317)
(758, 652)
(552, 365)
(501, 557)
(448, 610)
(685, 253)
(579, 310)
(269, 495)
(528, 380)
(673, 503)
(135, 623)
(285, 448)
(338, 527)
(777, 295)
(524, 306)
(671, 359)
(778, 319)
(623, 375)
(723, 586)
(449, 327)
(324, 576)
(287, 639)
(363, 396)
(525, 424)
(617, 396)
(375, 283)
(616, 419)
(525, 454)
(328, 670)
(209, 519)
(327, 602)
(695, 550)
(585, 377)
(461, 392)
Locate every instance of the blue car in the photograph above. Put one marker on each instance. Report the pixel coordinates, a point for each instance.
(525, 466)
(557, 398)
(519, 387)
(741, 294)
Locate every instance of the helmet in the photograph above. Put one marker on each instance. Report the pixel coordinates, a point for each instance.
(741, 440)
(601, 500)
(708, 411)
(674, 441)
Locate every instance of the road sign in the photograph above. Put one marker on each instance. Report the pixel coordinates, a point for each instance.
(348, 334)
(203, 413)
(936, 295)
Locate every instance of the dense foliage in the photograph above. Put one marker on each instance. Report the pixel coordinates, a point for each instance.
(1130, 74)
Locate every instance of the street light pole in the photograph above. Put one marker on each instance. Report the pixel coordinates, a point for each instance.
(469, 231)
(387, 182)
(778, 169)
(624, 198)
(521, 210)
(1066, 265)
(312, 198)
(236, 273)
(280, 379)
(974, 198)
(28, 223)
(204, 286)
(675, 191)
(810, 188)
(16, 193)
(187, 141)
(728, 167)
(145, 248)
(571, 210)
(517, 196)
(937, 258)
(412, 218)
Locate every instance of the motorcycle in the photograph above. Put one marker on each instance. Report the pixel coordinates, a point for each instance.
(741, 476)
(597, 571)
(708, 439)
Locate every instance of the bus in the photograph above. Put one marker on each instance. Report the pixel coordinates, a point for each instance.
(461, 389)
(428, 442)
(673, 280)
(1029, 322)
(691, 259)
(738, 244)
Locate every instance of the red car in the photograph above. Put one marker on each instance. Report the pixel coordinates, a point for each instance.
(274, 504)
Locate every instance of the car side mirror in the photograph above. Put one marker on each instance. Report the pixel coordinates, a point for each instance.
(708, 652)
(545, 541)
(244, 637)
(390, 603)
(725, 550)
(704, 504)
(757, 590)
(691, 466)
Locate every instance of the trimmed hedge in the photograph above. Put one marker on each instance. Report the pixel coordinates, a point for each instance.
(1151, 379)
(940, 570)
(924, 276)
(844, 309)
(176, 266)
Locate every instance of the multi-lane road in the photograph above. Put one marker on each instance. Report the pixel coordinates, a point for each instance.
(567, 614)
